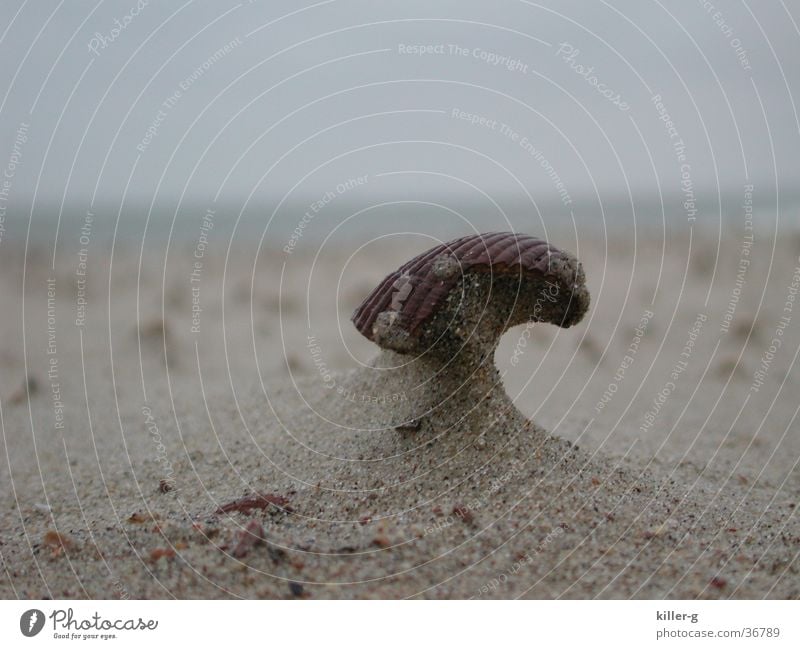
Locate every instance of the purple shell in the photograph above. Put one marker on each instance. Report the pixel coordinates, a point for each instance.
(415, 290)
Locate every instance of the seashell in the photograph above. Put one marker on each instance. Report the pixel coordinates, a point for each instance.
(519, 278)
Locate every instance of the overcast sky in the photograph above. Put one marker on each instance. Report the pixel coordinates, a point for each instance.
(261, 101)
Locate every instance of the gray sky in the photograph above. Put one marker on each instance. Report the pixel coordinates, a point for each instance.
(304, 99)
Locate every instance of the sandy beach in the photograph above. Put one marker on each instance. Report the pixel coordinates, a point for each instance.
(227, 437)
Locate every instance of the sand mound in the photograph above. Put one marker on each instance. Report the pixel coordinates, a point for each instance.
(350, 507)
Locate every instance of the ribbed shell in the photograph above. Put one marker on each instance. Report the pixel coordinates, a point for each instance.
(495, 252)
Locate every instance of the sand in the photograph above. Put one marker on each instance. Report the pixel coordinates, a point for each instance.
(681, 482)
